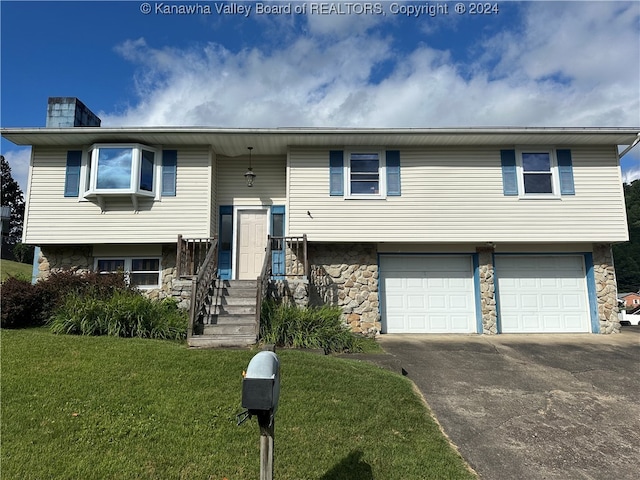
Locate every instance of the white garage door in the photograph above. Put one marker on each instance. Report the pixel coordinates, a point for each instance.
(427, 294)
(539, 294)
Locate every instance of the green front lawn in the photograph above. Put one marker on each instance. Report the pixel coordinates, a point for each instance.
(10, 268)
(113, 408)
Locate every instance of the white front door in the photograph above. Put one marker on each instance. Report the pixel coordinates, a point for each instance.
(252, 241)
(427, 294)
(540, 294)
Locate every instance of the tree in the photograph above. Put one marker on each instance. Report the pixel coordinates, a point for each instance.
(627, 255)
(12, 197)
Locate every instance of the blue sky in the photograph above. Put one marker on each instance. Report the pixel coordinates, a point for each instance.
(542, 63)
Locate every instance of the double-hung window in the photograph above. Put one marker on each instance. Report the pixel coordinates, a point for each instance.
(143, 273)
(364, 173)
(537, 172)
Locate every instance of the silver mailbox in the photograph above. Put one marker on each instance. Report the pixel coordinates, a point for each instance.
(261, 384)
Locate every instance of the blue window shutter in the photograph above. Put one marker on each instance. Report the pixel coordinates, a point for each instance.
(225, 237)
(169, 167)
(336, 172)
(72, 176)
(565, 172)
(393, 172)
(509, 172)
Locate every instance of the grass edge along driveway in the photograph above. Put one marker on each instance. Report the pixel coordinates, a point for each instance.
(100, 407)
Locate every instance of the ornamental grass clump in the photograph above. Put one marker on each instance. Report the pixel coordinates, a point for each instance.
(287, 325)
(122, 314)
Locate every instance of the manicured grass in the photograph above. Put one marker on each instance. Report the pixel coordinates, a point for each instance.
(10, 268)
(113, 408)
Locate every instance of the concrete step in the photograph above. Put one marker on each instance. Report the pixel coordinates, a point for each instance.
(238, 283)
(230, 329)
(234, 300)
(221, 341)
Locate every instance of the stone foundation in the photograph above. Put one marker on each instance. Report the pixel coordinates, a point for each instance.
(295, 292)
(606, 289)
(77, 258)
(347, 275)
(487, 290)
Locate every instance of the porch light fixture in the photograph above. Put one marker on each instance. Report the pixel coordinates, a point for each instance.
(250, 176)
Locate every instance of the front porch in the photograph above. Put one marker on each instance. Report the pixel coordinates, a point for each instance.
(225, 311)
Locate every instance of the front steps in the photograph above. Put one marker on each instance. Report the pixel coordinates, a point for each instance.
(231, 316)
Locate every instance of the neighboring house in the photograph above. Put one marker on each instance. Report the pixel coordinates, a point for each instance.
(415, 230)
(630, 301)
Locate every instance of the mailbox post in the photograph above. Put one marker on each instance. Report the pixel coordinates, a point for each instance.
(260, 395)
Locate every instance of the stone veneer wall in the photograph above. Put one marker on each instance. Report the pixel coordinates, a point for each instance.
(79, 258)
(346, 274)
(487, 290)
(293, 291)
(606, 288)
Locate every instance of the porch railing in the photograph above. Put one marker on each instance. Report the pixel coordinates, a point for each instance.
(191, 254)
(202, 284)
(291, 257)
(263, 283)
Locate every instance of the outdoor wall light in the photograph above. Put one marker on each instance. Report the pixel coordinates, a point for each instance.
(250, 176)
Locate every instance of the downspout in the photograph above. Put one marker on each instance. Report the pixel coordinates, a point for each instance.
(628, 149)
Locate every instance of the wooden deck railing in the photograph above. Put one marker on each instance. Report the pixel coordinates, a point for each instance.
(191, 254)
(262, 283)
(202, 284)
(295, 256)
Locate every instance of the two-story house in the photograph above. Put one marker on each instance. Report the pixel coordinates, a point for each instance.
(416, 230)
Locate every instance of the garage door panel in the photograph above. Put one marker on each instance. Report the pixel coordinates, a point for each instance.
(574, 302)
(528, 301)
(417, 322)
(415, 302)
(436, 302)
(542, 293)
(437, 292)
(438, 323)
(550, 301)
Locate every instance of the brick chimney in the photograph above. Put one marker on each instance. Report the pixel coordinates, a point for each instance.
(65, 112)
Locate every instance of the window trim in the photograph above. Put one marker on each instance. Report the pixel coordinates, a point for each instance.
(553, 170)
(382, 173)
(128, 262)
(89, 173)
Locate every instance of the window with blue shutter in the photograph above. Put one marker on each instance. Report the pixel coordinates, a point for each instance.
(509, 172)
(393, 172)
(72, 175)
(565, 172)
(336, 173)
(169, 170)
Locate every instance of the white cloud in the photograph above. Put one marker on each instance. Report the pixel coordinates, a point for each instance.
(629, 176)
(564, 64)
(19, 160)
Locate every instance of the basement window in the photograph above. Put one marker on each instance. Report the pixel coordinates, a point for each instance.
(143, 273)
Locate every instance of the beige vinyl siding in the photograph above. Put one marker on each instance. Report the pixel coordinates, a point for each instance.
(268, 189)
(54, 219)
(456, 195)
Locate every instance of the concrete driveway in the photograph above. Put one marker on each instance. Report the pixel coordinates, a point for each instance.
(532, 406)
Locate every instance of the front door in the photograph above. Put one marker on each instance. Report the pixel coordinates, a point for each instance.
(252, 241)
